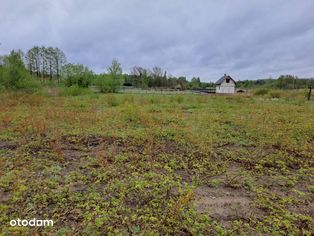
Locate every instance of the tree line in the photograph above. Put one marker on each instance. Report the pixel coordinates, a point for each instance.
(50, 64)
(157, 78)
(282, 82)
(41, 64)
(45, 62)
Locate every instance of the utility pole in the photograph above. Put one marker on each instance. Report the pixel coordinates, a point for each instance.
(309, 95)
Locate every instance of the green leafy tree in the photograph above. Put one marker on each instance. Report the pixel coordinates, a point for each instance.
(77, 74)
(14, 71)
(107, 84)
(140, 77)
(182, 82)
(115, 70)
(113, 81)
(14, 74)
(195, 82)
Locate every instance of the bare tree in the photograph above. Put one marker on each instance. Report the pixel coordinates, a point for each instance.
(139, 71)
(156, 72)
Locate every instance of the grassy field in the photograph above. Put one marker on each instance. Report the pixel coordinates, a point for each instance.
(157, 164)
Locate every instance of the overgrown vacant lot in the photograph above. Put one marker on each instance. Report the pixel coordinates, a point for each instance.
(159, 164)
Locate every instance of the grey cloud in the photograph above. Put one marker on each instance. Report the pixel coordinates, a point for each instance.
(248, 39)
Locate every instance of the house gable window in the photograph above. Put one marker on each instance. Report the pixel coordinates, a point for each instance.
(227, 80)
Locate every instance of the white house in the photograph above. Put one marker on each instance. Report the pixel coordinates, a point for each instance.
(225, 85)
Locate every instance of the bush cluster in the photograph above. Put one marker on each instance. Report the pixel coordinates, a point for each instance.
(14, 76)
(261, 92)
(108, 83)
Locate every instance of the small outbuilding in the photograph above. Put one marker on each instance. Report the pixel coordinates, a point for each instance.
(225, 85)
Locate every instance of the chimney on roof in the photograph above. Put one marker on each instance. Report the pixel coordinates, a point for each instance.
(225, 74)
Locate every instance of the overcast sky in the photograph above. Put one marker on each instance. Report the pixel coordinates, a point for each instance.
(244, 38)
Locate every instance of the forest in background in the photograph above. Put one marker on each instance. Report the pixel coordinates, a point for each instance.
(48, 65)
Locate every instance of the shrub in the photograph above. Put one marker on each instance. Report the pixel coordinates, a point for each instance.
(77, 74)
(107, 84)
(275, 94)
(75, 90)
(261, 92)
(14, 76)
(82, 81)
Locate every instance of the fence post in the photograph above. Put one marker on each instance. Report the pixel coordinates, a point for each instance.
(309, 95)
